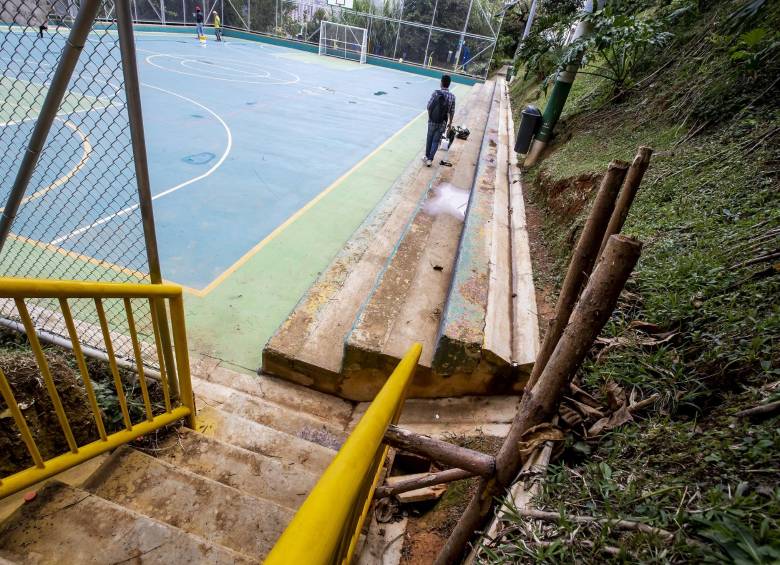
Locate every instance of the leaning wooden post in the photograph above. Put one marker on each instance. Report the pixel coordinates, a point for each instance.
(581, 263)
(540, 404)
(627, 193)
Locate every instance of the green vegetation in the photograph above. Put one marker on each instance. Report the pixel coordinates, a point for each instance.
(707, 284)
(18, 364)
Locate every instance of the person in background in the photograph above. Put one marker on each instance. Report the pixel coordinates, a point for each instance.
(441, 110)
(199, 21)
(217, 25)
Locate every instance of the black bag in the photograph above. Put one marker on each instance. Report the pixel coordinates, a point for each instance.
(439, 110)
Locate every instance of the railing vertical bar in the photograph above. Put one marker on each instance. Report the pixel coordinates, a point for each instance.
(160, 357)
(120, 391)
(79, 355)
(43, 366)
(182, 357)
(139, 362)
(16, 413)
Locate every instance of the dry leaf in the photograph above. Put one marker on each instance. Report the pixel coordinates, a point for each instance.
(538, 435)
(587, 411)
(618, 418)
(583, 396)
(616, 396)
(570, 417)
(646, 327)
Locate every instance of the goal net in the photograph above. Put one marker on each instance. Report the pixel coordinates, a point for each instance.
(341, 40)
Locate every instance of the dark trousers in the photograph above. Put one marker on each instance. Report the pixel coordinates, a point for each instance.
(218, 33)
(435, 131)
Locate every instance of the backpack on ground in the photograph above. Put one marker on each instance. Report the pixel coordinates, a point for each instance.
(438, 111)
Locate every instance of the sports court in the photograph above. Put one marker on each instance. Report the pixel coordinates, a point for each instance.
(263, 160)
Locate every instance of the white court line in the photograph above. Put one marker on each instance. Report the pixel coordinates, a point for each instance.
(270, 81)
(179, 186)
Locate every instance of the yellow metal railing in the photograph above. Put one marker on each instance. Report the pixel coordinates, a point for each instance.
(157, 295)
(327, 526)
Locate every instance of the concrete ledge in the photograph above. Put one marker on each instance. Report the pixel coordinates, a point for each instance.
(462, 332)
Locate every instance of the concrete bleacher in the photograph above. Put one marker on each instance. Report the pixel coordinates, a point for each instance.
(420, 269)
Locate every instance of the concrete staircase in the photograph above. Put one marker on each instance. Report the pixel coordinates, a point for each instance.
(221, 494)
(417, 270)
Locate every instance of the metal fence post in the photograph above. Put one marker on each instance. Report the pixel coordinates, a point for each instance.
(51, 104)
(135, 117)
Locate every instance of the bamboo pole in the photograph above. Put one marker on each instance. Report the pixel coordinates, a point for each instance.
(540, 403)
(581, 263)
(429, 480)
(441, 451)
(627, 193)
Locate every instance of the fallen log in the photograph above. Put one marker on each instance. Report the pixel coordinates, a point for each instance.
(428, 480)
(441, 451)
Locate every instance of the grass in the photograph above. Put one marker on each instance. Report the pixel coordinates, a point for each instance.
(708, 205)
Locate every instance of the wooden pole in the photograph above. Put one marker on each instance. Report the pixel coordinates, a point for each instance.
(539, 404)
(581, 263)
(627, 193)
(441, 451)
(429, 480)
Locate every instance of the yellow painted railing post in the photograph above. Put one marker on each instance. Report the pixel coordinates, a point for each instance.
(327, 525)
(182, 358)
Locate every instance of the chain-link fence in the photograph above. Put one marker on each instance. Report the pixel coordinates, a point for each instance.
(79, 218)
(453, 35)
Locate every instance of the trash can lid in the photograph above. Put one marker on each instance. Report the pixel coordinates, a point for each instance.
(531, 110)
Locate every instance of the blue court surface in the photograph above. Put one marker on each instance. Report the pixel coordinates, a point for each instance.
(240, 136)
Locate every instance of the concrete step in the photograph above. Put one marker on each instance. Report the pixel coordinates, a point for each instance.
(308, 348)
(190, 502)
(69, 525)
(291, 422)
(281, 392)
(475, 337)
(467, 415)
(525, 317)
(246, 434)
(282, 482)
(407, 302)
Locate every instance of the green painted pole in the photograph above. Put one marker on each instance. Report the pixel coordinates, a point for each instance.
(558, 96)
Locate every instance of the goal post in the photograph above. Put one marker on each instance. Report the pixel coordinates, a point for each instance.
(344, 41)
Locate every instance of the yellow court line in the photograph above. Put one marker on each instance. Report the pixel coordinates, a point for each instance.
(91, 260)
(279, 229)
(86, 150)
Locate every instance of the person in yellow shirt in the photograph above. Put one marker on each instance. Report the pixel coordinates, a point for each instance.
(217, 26)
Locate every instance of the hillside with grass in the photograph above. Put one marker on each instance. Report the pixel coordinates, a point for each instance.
(697, 330)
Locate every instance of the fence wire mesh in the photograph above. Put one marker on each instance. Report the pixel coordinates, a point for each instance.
(80, 216)
(451, 35)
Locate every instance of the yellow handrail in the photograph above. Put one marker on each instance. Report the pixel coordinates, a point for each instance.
(327, 525)
(23, 289)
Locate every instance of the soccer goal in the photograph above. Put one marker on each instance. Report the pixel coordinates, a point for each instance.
(341, 40)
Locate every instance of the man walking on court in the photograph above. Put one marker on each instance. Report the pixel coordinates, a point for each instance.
(441, 110)
(217, 25)
(199, 22)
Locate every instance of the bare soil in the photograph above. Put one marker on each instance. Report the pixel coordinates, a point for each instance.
(429, 526)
